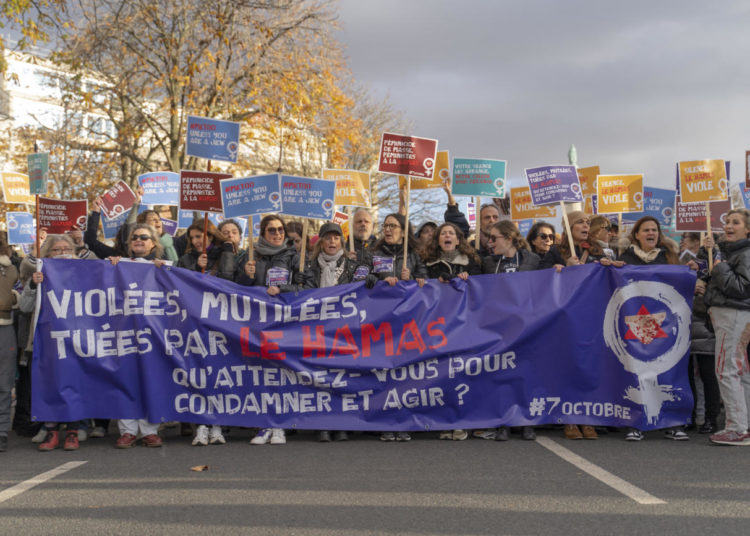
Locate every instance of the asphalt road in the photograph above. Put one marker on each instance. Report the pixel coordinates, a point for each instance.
(365, 486)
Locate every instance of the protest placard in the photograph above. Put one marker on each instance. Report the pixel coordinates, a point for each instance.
(702, 180)
(657, 203)
(589, 204)
(16, 188)
(160, 188)
(352, 187)
(479, 177)
(441, 173)
(59, 216)
(307, 198)
(524, 226)
(246, 196)
(201, 190)
(521, 206)
(117, 200)
(407, 155)
(21, 227)
(619, 193)
(554, 184)
(110, 226)
(38, 173)
(212, 139)
(340, 218)
(587, 179)
(691, 217)
(740, 196)
(185, 218)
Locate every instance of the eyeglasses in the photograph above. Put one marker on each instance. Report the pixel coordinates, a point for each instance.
(60, 251)
(390, 226)
(492, 238)
(142, 237)
(545, 236)
(275, 230)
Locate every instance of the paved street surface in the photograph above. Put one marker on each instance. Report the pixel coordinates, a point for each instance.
(365, 486)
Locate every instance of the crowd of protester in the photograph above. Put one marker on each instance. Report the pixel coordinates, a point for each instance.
(719, 371)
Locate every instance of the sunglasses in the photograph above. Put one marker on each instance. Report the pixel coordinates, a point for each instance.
(275, 230)
(391, 226)
(143, 237)
(545, 236)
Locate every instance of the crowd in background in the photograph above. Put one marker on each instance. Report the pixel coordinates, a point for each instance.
(719, 371)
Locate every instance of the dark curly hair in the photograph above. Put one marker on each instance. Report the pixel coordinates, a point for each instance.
(431, 252)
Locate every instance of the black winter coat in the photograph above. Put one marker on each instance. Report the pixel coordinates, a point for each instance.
(396, 252)
(729, 285)
(630, 257)
(220, 261)
(449, 270)
(527, 261)
(347, 267)
(553, 257)
(286, 258)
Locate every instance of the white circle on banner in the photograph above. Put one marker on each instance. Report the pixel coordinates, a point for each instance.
(673, 301)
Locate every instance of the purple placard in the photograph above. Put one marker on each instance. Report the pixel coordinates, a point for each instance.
(169, 226)
(554, 184)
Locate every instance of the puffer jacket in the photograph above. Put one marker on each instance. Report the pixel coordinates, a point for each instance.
(729, 285)
(527, 261)
(286, 258)
(396, 253)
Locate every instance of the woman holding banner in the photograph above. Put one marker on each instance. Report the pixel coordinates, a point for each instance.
(586, 249)
(389, 265)
(276, 267)
(510, 253)
(54, 247)
(728, 297)
(446, 256)
(152, 218)
(559, 256)
(329, 267)
(648, 247)
(218, 260)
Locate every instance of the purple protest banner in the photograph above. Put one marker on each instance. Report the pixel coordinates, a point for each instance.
(554, 184)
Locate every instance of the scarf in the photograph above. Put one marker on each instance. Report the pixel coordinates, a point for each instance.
(646, 257)
(448, 256)
(329, 274)
(264, 248)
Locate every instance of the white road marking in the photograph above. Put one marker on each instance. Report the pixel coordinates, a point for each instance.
(35, 481)
(613, 481)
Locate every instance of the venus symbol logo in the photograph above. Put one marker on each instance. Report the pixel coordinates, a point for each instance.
(499, 185)
(656, 322)
(328, 207)
(638, 200)
(12, 222)
(275, 200)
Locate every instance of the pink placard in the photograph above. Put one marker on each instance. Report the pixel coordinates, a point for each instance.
(201, 191)
(60, 216)
(118, 200)
(407, 155)
(691, 217)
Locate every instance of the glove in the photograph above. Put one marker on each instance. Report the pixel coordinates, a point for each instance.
(298, 278)
(370, 280)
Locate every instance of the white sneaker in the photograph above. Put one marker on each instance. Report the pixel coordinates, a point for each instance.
(278, 437)
(262, 437)
(98, 431)
(40, 436)
(201, 436)
(215, 437)
(83, 435)
(634, 435)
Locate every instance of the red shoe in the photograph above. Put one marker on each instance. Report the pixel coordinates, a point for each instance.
(51, 442)
(125, 441)
(152, 440)
(71, 440)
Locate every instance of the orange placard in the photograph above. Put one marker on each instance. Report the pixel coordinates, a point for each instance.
(702, 181)
(619, 193)
(16, 188)
(522, 208)
(587, 177)
(352, 187)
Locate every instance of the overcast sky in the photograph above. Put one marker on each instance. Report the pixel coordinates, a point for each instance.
(635, 85)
